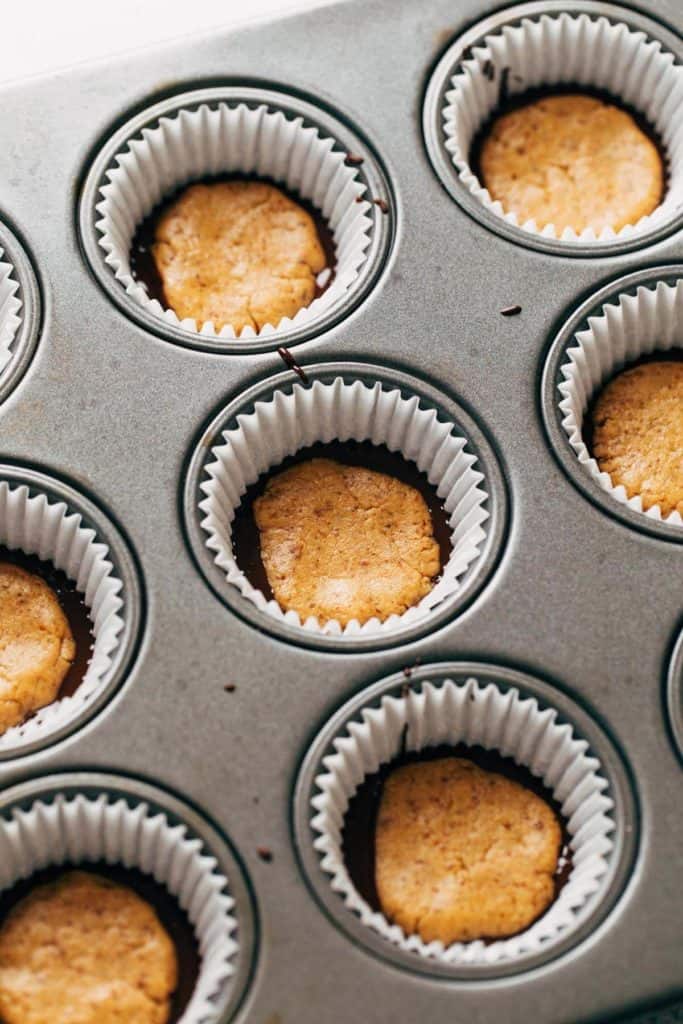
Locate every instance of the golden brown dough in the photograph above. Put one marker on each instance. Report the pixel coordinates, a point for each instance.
(462, 853)
(237, 252)
(638, 433)
(36, 645)
(84, 950)
(344, 542)
(572, 161)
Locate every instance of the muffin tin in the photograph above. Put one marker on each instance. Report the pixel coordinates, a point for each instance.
(222, 714)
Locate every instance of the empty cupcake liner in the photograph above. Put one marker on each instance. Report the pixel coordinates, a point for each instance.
(578, 50)
(10, 306)
(302, 416)
(36, 525)
(474, 712)
(234, 138)
(648, 321)
(80, 829)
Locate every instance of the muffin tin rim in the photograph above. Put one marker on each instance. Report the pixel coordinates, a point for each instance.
(438, 84)
(30, 314)
(674, 693)
(179, 809)
(337, 126)
(552, 360)
(475, 579)
(126, 568)
(588, 726)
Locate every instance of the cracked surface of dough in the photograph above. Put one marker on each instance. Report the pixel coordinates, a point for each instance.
(36, 645)
(344, 542)
(237, 252)
(572, 161)
(462, 853)
(638, 433)
(84, 950)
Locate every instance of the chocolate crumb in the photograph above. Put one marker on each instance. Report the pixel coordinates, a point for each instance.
(265, 854)
(407, 671)
(291, 363)
(353, 160)
(489, 70)
(229, 687)
(383, 205)
(511, 311)
(360, 199)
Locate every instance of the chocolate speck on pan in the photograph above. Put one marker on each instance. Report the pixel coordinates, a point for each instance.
(511, 310)
(265, 854)
(382, 204)
(229, 687)
(353, 159)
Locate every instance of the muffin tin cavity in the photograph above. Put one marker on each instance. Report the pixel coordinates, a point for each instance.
(637, 317)
(500, 710)
(581, 45)
(44, 518)
(342, 402)
(211, 134)
(90, 819)
(20, 311)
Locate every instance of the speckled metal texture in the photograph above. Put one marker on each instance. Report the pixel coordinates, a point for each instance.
(577, 598)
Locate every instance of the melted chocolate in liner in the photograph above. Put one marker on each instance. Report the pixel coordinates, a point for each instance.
(246, 543)
(588, 427)
(360, 821)
(143, 265)
(509, 103)
(168, 910)
(74, 607)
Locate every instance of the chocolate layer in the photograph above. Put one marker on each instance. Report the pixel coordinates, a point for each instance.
(245, 535)
(507, 103)
(74, 607)
(360, 821)
(143, 265)
(168, 910)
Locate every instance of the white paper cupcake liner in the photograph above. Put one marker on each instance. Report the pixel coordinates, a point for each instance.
(80, 829)
(342, 411)
(54, 533)
(649, 321)
(10, 305)
(474, 713)
(574, 50)
(234, 139)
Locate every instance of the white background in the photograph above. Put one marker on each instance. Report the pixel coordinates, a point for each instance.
(47, 35)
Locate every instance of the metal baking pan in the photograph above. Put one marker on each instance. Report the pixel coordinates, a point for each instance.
(574, 597)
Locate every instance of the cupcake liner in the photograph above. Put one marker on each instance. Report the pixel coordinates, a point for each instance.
(54, 533)
(80, 829)
(234, 138)
(578, 50)
(326, 412)
(475, 712)
(10, 305)
(634, 325)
